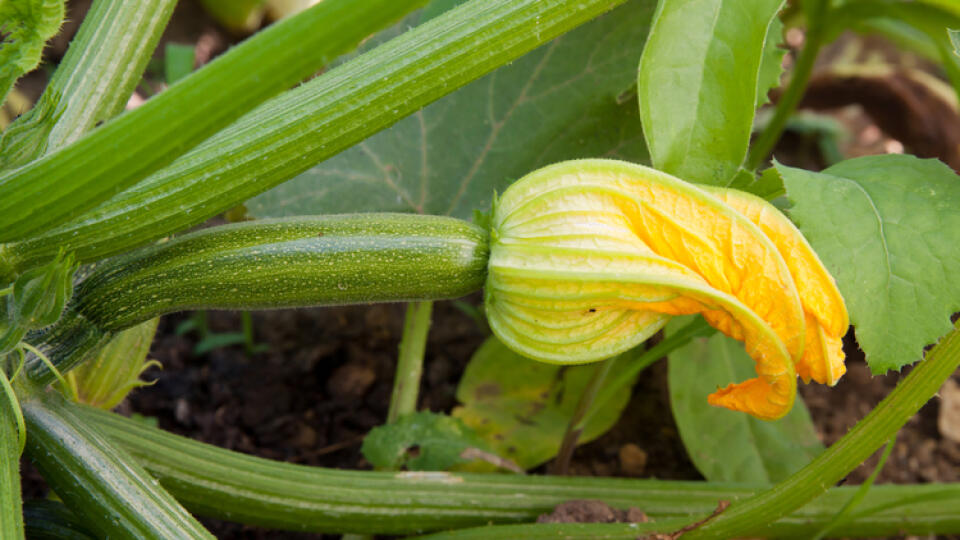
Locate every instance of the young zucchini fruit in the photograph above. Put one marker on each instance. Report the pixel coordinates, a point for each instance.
(280, 263)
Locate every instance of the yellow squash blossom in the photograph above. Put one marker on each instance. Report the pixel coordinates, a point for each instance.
(591, 257)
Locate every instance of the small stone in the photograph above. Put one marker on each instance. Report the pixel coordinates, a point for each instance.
(948, 422)
(351, 381)
(633, 460)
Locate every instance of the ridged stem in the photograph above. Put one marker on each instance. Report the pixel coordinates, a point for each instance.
(75, 178)
(292, 132)
(103, 65)
(220, 483)
(11, 422)
(102, 484)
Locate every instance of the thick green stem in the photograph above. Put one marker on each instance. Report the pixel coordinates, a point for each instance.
(11, 437)
(788, 102)
(219, 483)
(291, 133)
(747, 517)
(266, 264)
(413, 344)
(103, 65)
(102, 484)
(77, 177)
(861, 492)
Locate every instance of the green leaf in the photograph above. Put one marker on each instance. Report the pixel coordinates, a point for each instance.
(728, 446)
(422, 441)
(888, 229)
(25, 26)
(522, 408)
(557, 102)
(954, 40)
(698, 84)
(771, 63)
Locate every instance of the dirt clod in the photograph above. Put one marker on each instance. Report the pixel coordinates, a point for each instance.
(633, 460)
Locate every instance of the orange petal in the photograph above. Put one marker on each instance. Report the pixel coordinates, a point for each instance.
(824, 308)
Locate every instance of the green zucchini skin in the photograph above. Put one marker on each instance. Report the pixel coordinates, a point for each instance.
(293, 262)
(106, 489)
(265, 264)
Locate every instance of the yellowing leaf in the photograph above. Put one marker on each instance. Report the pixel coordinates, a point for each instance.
(823, 306)
(590, 257)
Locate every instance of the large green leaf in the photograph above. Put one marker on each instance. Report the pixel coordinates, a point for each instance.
(561, 101)
(729, 446)
(888, 229)
(698, 84)
(522, 407)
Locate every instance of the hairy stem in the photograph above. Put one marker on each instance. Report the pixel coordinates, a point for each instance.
(75, 178)
(101, 483)
(292, 132)
(220, 483)
(103, 65)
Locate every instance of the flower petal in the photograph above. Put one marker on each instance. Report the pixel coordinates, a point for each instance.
(589, 258)
(823, 305)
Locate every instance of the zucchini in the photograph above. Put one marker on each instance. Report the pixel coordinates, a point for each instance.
(276, 263)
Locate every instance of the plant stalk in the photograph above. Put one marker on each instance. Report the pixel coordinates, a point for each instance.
(744, 518)
(292, 132)
(103, 65)
(220, 483)
(115, 497)
(46, 192)
(11, 437)
(787, 104)
(413, 344)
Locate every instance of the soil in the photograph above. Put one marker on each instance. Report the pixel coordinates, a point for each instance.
(325, 376)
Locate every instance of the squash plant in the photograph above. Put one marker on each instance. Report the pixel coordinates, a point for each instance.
(581, 260)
